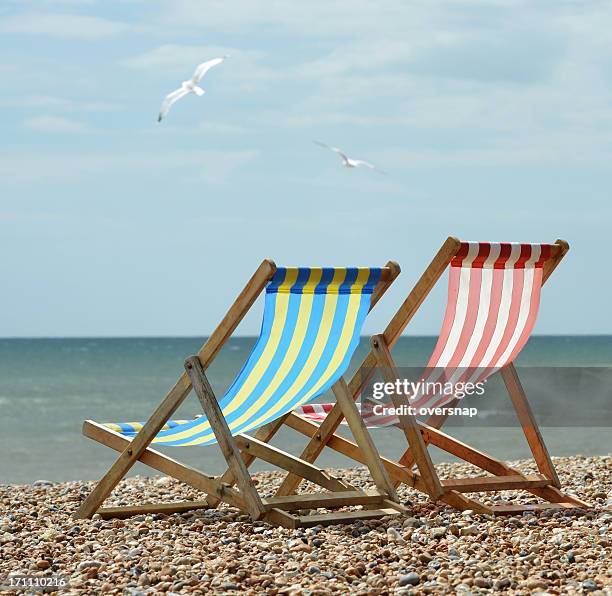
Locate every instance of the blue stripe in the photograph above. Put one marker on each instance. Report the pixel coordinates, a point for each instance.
(278, 278)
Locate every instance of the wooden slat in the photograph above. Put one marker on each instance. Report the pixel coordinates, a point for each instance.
(435, 421)
(529, 424)
(343, 517)
(407, 423)
(559, 250)
(326, 500)
(351, 450)
(236, 312)
(226, 442)
(288, 462)
(363, 439)
(465, 452)
(178, 393)
(387, 276)
(514, 509)
(494, 483)
(151, 508)
(490, 464)
(164, 464)
(278, 517)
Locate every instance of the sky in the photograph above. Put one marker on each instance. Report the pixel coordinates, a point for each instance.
(493, 119)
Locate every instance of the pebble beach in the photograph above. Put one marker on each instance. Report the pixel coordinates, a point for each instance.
(432, 550)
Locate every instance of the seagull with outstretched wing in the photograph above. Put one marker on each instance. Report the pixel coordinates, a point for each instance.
(347, 161)
(187, 87)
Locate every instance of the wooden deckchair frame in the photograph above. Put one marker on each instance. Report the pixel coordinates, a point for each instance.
(419, 435)
(241, 450)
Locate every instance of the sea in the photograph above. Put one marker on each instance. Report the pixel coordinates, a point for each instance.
(48, 387)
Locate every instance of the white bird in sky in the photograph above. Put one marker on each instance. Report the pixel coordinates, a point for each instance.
(347, 161)
(190, 86)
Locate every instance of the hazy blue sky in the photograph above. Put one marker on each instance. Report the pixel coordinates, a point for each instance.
(492, 117)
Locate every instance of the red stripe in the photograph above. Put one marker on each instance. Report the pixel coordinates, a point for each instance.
(484, 250)
(524, 257)
(544, 255)
(504, 255)
(461, 254)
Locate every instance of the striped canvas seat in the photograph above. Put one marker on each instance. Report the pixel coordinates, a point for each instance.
(311, 326)
(493, 300)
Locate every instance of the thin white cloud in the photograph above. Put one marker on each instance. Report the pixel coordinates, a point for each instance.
(51, 102)
(62, 25)
(209, 166)
(55, 125)
(213, 127)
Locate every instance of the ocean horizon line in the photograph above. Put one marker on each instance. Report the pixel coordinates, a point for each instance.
(97, 337)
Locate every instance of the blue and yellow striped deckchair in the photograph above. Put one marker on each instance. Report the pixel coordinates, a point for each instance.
(311, 325)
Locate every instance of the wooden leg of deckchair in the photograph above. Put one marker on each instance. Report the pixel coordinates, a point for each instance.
(136, 447)
(529, 424)
(264, 434)
(224, 437)
(363, 439)
(407, 422)
(166, 465)
(435, 421)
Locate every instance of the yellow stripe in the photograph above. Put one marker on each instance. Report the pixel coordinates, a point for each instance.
(278, 324)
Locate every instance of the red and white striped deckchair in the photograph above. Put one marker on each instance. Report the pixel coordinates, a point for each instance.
(493, 300)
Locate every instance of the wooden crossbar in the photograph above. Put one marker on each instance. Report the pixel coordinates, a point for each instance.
(495, 483)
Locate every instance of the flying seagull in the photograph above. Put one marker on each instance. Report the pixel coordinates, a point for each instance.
(190, 86)
(348, 162)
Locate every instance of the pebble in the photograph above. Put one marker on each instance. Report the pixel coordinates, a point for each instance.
(88, 564)
(410, 579)
(469, 530)
(433, 550)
